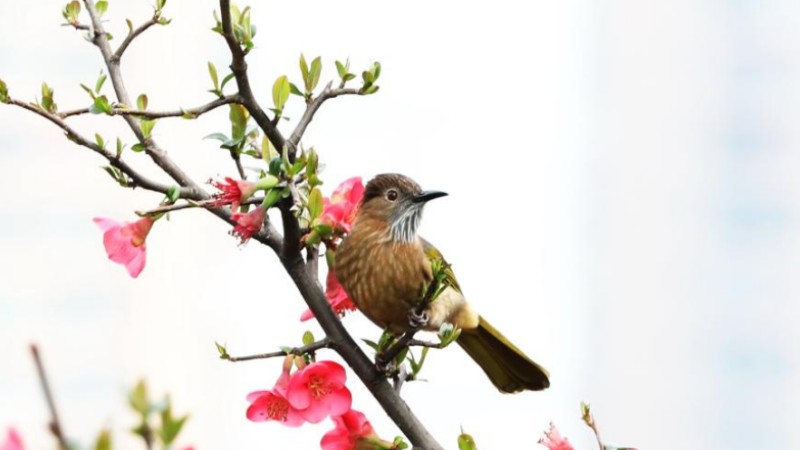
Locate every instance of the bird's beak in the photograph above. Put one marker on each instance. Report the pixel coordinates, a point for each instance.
(426, 196)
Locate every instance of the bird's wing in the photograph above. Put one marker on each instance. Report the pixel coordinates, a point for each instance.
(433, 253)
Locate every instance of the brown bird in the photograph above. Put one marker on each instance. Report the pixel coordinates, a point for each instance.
(383, 266)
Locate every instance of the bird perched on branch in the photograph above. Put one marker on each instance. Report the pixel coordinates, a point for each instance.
(384, 266)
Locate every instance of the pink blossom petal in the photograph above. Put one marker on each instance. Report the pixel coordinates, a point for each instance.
(316, 412)
(298, 394)
(334, 372)
(339, 401)
(136, 265)
(105, 223)
(13, 441)
(253, 396)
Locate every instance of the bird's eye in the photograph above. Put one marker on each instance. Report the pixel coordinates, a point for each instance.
(391, 195)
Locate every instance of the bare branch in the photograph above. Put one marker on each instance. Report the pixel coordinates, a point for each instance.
(310, 348)
(131, 36)
(311, 109)
(55, 423)
(239, 69)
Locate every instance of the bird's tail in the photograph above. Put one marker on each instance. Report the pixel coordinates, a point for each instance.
(507, 367)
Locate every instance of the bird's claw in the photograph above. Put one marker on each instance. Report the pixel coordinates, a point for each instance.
(418, 318)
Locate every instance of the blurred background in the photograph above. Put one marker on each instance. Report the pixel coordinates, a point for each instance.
(623, 205)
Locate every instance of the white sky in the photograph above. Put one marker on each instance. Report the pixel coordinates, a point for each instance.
(623, 205)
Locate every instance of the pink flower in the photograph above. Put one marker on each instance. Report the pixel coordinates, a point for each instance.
(272, 404)
(340, 209)
(248, 224)
(338, 299)
(318, 391)
(125, 242)
(352, 428)
(13, 441)
(553, 440)
(233, 192)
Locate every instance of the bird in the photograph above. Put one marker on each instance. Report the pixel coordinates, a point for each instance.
(384, 266)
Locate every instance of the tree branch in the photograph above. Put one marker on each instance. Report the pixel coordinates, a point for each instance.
(139, 180)
(131, 36)
(159, 156)
(341, 341)
(239, 69)
(311, 109)
(192, 113)
(310, 348)
(55, 423)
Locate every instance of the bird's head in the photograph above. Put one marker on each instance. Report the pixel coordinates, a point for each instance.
(397, 201)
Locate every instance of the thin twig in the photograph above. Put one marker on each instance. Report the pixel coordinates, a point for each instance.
(55, 423)
(192, 113)
(310, 348)
(131, 36)
(420, 343)
(138, 179)
(311, 109)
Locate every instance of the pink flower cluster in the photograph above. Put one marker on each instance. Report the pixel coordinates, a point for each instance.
(553, 440)
(311, 394)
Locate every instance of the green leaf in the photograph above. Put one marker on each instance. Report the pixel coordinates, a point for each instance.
(304, 70)
(225, 80)
(138, 148)
(141, 102)
(147, 127)
(280, 92)
(47, 99)
(238, 117)
(71, 11)
(3, 92)
(271, 197)
(372, 344)
(308, 338)
(88, 91)
(99, 140)
(212, 70)
(465, 442)
(223, 352)
(170, 426)
(316, 71)
(341, 69)
(160, 4)
(100, 106)
(315, 204)
(371, 89)
(99, 83)
(120, 147)
(174, 193)
(218, 136)
(376, 70)
(130, 25)
(138, 399)
(296, 90)
(101, 7)
(103, 441)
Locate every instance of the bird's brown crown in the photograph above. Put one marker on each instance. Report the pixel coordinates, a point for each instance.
(380, 185)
